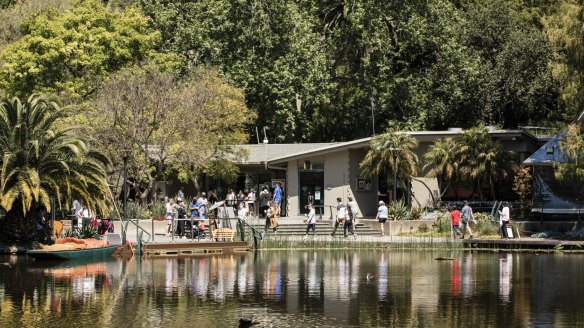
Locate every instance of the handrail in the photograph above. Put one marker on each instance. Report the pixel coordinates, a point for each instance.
(242, 224)
(125, 229)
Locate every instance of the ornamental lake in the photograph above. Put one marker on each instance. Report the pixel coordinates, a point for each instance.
(299, 289)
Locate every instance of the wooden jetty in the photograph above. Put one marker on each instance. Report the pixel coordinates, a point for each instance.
(181, 249)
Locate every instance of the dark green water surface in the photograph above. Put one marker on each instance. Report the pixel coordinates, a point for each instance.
(299, 289)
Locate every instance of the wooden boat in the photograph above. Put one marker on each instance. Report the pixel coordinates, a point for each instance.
(98, 253)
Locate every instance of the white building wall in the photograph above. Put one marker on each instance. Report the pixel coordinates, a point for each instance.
(336, 180)
(292, 188)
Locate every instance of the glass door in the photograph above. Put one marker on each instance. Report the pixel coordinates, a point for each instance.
(311, 188)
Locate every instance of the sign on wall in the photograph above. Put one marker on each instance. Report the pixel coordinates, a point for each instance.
(364, 184)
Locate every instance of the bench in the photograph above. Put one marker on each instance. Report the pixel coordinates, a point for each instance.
(225, 234)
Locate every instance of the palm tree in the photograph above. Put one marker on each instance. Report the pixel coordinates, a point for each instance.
(40, 162)
(483, 160)
(389, 150)
(442, 161)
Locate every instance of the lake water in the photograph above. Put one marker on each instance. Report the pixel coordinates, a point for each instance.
(299, 289)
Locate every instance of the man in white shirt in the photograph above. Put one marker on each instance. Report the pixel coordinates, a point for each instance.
(504, 219)
(341, 213)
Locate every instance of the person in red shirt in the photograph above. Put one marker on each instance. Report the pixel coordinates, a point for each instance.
(455, 217)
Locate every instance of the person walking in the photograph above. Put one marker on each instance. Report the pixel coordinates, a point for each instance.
(169, 208)
(349, 220)
(504, 220)
(341, 214)
(455, 217)
(467, 218)
(353, 211)
(311, 221)
(278, 196)
(382, 215)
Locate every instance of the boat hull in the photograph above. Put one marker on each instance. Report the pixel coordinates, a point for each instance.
(77, 254)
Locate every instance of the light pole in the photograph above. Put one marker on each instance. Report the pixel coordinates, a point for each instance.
(266, 148)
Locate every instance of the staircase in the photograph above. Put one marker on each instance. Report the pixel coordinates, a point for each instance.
(322, 229)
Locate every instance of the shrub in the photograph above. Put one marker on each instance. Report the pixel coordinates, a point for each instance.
(86, 232)
(398, 211)
(416, 213)
(443, 222)
(485, 224)
(158, 209)
(423, 228)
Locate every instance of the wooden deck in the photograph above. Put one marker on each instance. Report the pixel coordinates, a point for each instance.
(525, 244)
(178, 249)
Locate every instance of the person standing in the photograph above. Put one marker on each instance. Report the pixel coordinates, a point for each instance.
(181, 193)
(467, 218)
(311, 221)
(382, 214)
(341, 215)
(195, 208)
(264, 201)
(169, 206)
(504, 219)
(251, 198)
(232, 199)
(353, 211)
(455, 217)
(274, 214)
(242, 213)
(278, 196)
(181, 214)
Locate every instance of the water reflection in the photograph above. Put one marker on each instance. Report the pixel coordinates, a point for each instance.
(289, 289)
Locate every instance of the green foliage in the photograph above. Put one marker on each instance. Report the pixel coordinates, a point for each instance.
(415, 213)
(443, 222)
(523, 187)
(572, 146)
(135, 210)
(85, 232)
(485, 224)
(6, 3)
(69, 51)
(158, 209)
(40, 162)
(398, 211)
(389, 151)
(423, 228)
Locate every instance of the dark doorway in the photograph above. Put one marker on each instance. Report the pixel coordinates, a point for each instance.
(311, 187)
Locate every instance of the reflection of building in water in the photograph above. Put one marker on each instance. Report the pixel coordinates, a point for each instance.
(505, 272)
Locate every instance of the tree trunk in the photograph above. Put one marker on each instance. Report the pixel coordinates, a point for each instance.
(17, 228)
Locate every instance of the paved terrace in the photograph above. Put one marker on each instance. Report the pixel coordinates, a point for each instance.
(325, 227)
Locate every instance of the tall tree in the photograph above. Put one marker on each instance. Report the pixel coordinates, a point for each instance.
(69, 52)
(162, 122)
(40, 163)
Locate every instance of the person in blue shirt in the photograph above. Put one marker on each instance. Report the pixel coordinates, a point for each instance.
(277, 195)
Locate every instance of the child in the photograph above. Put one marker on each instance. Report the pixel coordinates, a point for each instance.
(455, 217)
(311, 221)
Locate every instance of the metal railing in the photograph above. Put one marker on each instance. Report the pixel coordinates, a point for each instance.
(247, 231)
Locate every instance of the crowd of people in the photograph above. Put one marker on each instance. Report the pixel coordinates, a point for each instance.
(242, 203)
